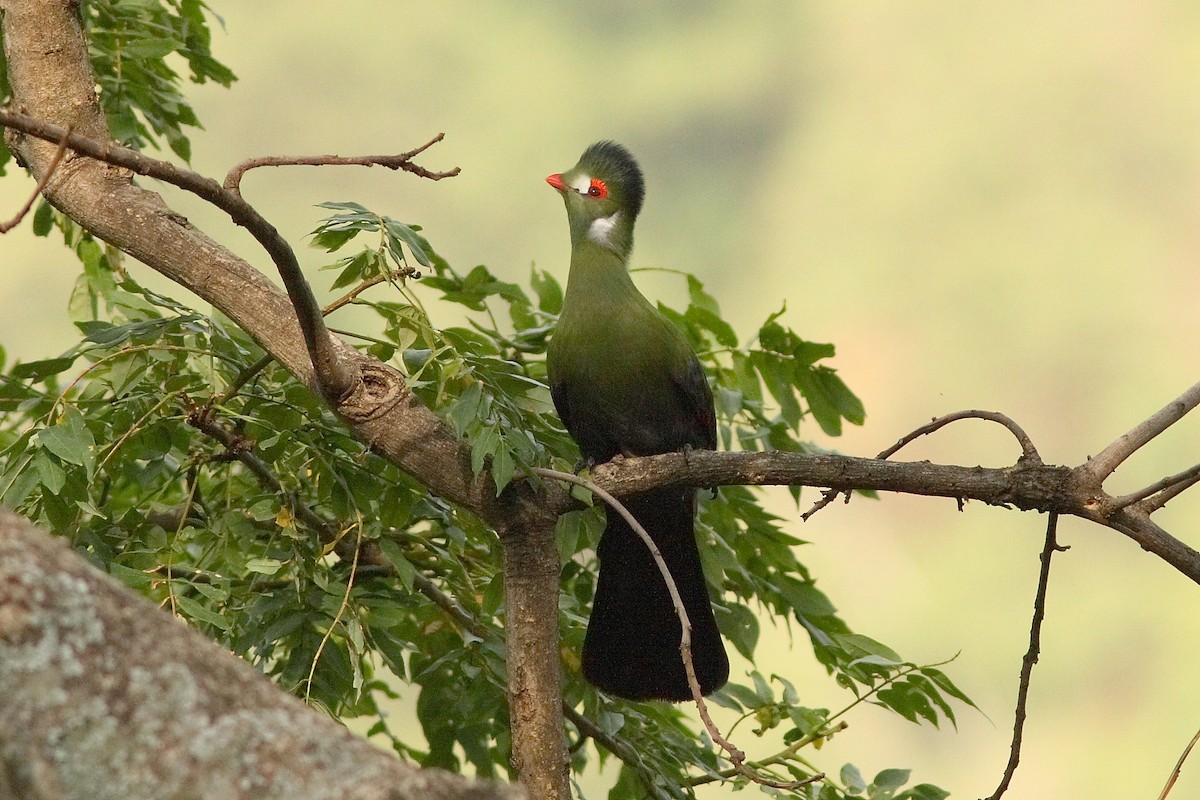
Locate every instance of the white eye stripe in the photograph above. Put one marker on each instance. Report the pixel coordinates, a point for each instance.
(582, 184)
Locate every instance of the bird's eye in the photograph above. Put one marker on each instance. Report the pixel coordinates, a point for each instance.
(597, 189)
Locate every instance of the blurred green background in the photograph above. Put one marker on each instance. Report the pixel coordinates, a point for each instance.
(984, 205)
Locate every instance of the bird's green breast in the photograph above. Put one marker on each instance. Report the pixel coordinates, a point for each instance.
(616, 365)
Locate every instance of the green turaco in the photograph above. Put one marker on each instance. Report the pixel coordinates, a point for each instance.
(626, 381)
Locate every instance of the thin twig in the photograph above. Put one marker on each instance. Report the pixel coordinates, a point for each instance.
(1178, 767)
(244, 375)
(1169, 487)
(685, 639)
(1031, 656)
(312, 670)
(1029, 452)
(736, 756)
(374, 280)
(401, 161)
(5, 227)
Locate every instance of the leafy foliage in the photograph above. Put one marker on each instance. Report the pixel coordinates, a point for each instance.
(198, 472)
(131, 42)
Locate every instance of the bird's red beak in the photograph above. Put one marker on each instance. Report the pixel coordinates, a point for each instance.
(556, 181)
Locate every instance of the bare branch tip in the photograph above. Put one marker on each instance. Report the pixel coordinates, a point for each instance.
(5, 227)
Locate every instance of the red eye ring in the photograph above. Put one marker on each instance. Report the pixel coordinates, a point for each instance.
(597, 189)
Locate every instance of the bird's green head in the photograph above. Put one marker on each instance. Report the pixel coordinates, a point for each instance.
(603, 194)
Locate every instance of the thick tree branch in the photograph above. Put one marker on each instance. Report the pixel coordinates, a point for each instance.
(1029, 487)
(531, 586)
(1026, 486)
(94, 678)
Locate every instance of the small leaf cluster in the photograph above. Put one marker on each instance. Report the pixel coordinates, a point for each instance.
(488, 377)
(131, 43)
(774, 704)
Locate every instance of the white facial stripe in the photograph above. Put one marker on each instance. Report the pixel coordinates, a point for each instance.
(601, 228)
(582, 184)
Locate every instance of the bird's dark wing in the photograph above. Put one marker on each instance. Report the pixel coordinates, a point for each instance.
(697, 401)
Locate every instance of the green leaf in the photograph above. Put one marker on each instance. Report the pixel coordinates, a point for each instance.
(503, 467)
(70, 440)
(844, 400)
(196, 611)
(466, 410)
(333, 240)
(548, 291)
(264, 566)
(720, 329)
(49, 473)
(812, 352)
(416, 244)
(485, 445)
(924, 791)
(820, 405)
(404, 568)
(40, 370)
(891, 779)
(852, 779)
(740, 626)
(701, 299)
(43, 218)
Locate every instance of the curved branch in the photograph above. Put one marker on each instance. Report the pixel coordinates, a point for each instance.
(5, 227)
(1027, 449)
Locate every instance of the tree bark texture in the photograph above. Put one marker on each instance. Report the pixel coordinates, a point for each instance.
(102, 695)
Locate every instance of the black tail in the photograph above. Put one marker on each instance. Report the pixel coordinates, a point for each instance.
(632, 643)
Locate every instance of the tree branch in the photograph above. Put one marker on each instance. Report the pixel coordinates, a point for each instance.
(334, 373)
(1025, 485)
(1111, 457)
(1178, 767)
(1031, 656)
(402, 161)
